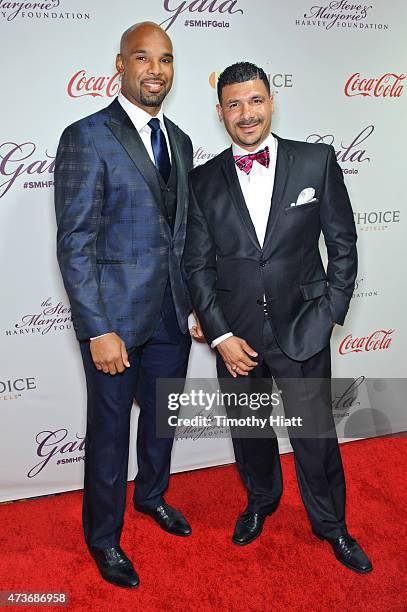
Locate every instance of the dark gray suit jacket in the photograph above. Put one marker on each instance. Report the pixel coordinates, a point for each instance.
(228, 272)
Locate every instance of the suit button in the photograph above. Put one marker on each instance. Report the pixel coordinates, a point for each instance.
(259, 302)
(262, 264)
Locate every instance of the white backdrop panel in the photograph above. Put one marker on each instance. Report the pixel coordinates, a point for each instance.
(310, 52)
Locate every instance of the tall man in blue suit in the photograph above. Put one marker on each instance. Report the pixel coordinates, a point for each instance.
(121, 198)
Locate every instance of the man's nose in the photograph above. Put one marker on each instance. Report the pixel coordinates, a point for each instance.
(154, 67)
(246, 111)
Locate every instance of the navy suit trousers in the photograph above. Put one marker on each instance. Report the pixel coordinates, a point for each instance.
(110, 399)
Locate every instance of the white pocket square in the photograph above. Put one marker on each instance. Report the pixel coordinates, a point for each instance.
(306, 196)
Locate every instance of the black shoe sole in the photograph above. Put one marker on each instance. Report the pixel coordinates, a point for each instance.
(118, 584)
(351, 567)
(122, 586)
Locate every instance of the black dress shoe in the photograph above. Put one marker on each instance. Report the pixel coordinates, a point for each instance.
(168, 518)
(248, 527)
(115, 567)
(349, 553)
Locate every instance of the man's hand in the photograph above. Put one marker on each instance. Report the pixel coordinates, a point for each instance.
(196, 330)
(236, 354)
(109, 354)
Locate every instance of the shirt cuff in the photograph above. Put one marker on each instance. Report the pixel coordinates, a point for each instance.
(101, 336)
(221, 339)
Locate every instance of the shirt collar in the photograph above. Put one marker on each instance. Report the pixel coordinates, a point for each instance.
(270, 142)
(137, 115)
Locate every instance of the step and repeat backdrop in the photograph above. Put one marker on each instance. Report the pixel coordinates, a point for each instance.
(338, 72)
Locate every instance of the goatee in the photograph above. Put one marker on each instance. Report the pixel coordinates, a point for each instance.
(152, 99)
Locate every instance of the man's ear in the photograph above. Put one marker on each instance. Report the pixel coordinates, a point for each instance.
(220, 112)
(119, 63)
(272, 102)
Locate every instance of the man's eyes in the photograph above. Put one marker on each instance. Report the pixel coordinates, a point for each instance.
(164, 60)
(255, 101)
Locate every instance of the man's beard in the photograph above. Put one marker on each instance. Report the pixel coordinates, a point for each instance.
(250, 140)
(152, 99)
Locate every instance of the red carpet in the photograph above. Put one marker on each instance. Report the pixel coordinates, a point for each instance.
(286, 569)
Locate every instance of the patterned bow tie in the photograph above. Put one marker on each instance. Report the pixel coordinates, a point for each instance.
(245, 162)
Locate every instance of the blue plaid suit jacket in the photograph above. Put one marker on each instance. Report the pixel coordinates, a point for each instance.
(114, 245)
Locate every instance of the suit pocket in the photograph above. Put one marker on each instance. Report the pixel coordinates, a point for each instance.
(314, 290)
(115, 261)
(302, 207)
(223, 295)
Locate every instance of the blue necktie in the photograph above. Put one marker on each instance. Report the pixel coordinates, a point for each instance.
(160, 149)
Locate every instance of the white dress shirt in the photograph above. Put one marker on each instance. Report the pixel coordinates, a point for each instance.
(257, 188)
(140, 119)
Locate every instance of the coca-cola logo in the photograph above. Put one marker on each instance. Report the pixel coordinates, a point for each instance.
(351, 151)
(378, 340)
(340, 14)
(208, 7)
(81, 84)
(57, 445)
(13, 388)
(52, 317)
(389, 85)
(37, 10)
(20, 160)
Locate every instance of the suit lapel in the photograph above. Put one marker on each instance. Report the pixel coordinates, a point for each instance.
(283, 165)
(182, 185)
(129, 138)
(229, 170)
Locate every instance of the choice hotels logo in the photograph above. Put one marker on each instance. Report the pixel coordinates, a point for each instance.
(277, 81)
(13, 389)
(378, 340)
(389, 85)
(376, 220)
(81, 84)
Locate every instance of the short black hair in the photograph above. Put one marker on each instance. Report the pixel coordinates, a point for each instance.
(240, 73)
